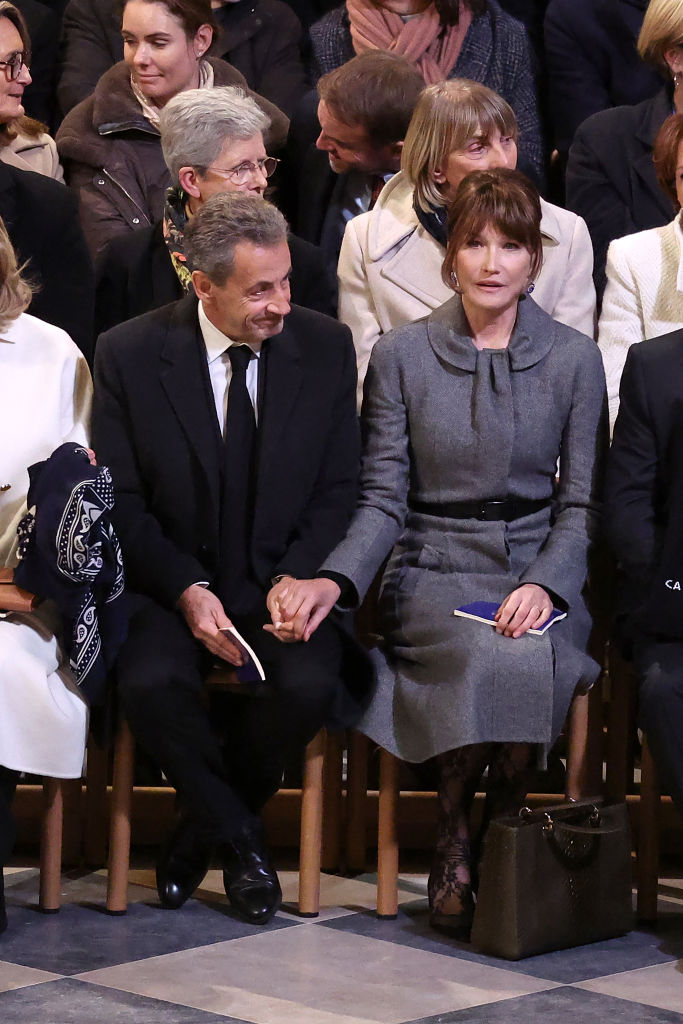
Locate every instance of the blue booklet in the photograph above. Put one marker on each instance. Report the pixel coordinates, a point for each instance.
(485, 611)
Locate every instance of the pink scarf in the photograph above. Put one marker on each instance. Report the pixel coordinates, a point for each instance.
(421, 39)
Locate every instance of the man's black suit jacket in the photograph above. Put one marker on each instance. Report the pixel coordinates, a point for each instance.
(644, 492)
(155, 426)
(41, 217)
(135, 275)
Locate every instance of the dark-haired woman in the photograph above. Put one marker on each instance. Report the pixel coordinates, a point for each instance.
(466, 415)
(644, 293)
(110, 142)
(473, 39)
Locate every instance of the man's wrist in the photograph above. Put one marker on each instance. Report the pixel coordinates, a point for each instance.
(282, 576)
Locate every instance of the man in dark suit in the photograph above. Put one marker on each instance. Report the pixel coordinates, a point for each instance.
(345, 142)
(644, 499)
(41, 217)
(146, 268)
(216, 512)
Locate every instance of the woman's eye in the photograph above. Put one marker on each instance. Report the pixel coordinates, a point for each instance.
(512, 245)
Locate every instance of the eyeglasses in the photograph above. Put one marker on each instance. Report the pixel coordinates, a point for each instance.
(241, 174)
(15, 62)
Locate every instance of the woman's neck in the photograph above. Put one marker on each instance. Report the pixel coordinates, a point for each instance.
(490, 329)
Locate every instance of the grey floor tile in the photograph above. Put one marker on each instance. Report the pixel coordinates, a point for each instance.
(559, 1006)
(84, 938)
(640, 948)
(75, 1002)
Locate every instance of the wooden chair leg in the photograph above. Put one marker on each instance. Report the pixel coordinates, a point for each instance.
(620, 727)
(95, 824)
(72, 829)
(332, 802)
(356, 800)
(584, 755)
(119, 837)
(387, 837)
(648, 838)
(51, 846)
(311, 826)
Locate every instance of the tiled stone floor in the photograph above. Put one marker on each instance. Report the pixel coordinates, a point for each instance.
(199, 965)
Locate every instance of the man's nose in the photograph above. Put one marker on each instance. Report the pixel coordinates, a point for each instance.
(322, 142)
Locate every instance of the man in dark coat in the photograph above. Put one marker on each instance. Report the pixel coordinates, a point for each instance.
(644, 497)
(344, 143)
(261, 38)
(216, 512)
(146, 268)
(592, 61)
(41, 218)
(611, 180)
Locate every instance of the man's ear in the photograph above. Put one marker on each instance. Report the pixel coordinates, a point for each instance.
(189, 182)
(203, 286)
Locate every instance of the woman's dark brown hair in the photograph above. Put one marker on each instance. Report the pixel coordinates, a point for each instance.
(502, 199)
(191, 14)
(665, 155)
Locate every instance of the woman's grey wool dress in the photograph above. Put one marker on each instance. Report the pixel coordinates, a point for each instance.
(445, 422)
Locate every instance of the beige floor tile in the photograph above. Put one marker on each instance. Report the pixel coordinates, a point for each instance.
(14, 976)
(660, 986)
(338, 896)
(318, 975)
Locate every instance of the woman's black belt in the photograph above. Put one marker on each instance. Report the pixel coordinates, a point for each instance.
(506, 509)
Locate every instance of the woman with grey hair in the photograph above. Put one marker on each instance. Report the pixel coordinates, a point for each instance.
(212, 141)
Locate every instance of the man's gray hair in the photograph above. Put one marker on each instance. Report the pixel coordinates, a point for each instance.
(223, 221)
(196, 124)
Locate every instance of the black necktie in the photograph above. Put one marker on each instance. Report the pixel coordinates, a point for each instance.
(240, 434)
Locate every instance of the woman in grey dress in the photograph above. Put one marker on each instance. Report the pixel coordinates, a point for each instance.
(466, 414)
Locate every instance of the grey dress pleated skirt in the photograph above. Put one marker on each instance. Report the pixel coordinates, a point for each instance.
(444, 681)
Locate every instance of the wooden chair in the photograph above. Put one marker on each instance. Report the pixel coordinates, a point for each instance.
(311, 816)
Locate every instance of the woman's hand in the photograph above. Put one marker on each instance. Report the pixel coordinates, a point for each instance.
(297, 607)
(527, 607)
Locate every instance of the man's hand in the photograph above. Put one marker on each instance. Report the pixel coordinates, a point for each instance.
(525, 608)
(297, 607)
(206, 616)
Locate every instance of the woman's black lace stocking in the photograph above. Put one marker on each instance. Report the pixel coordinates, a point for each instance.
(449, 885)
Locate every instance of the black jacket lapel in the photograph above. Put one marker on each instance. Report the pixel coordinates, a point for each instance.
(183, 377)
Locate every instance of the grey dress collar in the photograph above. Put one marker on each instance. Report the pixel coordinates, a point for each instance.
(532, 338)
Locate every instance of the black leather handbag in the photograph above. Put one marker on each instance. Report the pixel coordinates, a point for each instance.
(554, 877)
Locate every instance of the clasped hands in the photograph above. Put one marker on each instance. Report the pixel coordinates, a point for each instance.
(297, 607)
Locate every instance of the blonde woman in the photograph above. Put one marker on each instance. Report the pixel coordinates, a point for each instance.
(23, 141)
(390, 261)
(45, 395)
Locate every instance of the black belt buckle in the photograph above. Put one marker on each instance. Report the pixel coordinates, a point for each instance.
(492, 511)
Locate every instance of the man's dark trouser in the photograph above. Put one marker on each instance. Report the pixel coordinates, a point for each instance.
(659, 665)
(223, 770)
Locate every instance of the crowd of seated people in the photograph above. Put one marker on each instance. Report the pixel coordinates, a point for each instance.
(337, 328)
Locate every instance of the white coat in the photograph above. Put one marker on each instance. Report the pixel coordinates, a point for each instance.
(390, 270)
(643, 298)
(45, 397)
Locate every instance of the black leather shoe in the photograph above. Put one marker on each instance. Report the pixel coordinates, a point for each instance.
(183, 863)
(250, 883)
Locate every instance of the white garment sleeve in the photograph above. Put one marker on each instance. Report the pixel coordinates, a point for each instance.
(356, 305)
(576, 305)
(621, 322)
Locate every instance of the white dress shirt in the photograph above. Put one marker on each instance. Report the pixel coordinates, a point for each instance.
(220, 367)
